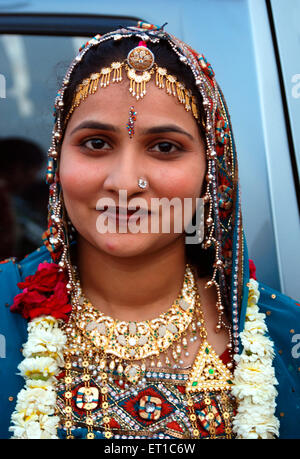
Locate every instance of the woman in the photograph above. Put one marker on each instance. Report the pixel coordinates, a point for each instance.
(137, 333)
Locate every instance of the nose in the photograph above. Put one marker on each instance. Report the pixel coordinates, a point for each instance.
(124, 174)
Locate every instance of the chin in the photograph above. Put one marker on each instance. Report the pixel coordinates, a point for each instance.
(123, 245)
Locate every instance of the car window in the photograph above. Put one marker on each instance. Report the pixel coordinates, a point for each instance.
(32, 68)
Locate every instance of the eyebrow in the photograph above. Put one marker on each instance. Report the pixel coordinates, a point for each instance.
(90, 124)
(167, 128)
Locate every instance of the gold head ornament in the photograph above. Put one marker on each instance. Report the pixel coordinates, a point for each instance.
(139, 67)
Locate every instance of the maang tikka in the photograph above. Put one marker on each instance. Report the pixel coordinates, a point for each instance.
(139, 67)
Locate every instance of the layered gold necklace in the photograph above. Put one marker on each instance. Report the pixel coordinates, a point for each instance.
(127, 350)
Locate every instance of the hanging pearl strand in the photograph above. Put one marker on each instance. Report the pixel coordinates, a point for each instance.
(213, 207)
(235, 285)
(234, 299)
(234, 293)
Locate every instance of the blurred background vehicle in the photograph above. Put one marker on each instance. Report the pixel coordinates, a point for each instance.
(254, 48)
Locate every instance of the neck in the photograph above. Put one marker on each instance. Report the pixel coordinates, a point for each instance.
(135, 288)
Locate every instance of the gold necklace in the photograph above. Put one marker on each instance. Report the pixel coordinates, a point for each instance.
(95, 338)
(136, 340)
(127, 342)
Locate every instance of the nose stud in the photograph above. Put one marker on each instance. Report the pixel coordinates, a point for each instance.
(142, 183)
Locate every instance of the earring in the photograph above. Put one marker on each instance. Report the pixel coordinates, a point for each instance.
(56, 237)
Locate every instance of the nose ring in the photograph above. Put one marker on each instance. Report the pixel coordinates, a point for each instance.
(142, 183)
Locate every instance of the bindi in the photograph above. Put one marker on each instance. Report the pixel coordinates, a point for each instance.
(132, 119)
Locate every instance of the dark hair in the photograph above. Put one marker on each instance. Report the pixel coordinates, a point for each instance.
(117, 50)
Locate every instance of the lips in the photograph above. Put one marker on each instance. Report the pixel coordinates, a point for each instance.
(124, 212)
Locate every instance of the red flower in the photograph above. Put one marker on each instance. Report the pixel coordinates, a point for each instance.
(44, 293)
(252, 269)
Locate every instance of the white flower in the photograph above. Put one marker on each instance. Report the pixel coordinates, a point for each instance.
(43, 352)
(35, 427)
(260, 346)
(260, 424)
(49, 426)
(254, 377)
(20, 427)
(45, 322)
(47, 342)
(249, 378)
(41, 383)
(255, 326)
(38, 367)
(253, 294)
(253, 285)
(37, 400)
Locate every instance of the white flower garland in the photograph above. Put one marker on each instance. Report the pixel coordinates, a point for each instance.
(254, 377)
(34, 414)
(253, 383)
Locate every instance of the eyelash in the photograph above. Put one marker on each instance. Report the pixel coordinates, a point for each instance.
(178, 148)
(83, 144)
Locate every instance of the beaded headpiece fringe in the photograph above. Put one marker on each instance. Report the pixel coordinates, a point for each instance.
(137, 88)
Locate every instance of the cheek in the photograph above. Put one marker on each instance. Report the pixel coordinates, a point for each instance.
(181, 180)
(77, 177)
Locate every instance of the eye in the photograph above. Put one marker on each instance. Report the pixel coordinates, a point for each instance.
(95, 144)
(166, 148)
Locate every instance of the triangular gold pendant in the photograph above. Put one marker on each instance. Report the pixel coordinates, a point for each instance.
(208, 372)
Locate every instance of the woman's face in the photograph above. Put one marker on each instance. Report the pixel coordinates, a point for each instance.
(100, 160)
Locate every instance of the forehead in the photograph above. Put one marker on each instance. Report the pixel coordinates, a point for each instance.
(113, 103)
